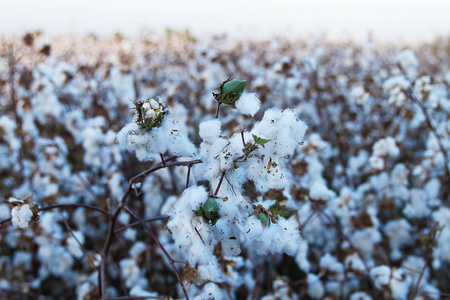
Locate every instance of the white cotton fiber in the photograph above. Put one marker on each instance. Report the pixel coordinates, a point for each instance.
(210, 130)
(248, 104)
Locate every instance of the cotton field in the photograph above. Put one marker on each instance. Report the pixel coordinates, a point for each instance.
(171, 167)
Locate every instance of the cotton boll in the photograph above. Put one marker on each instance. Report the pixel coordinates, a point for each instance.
(210, 130)
(315, 286)
(354, 263)
(130, 271)
(380, 276)
(248, 104)
(399, 233)
(319, 191)
(442, 251)
(409, 63)
(417, 206)
(137, 249)
(413, 266)
(138, 291)
(331, 264)
(21, 216)
(400, 284)
(386, 147)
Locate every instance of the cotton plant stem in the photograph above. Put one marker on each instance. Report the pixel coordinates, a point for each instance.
(220, 183)
(137, 223)
(217, 111)
(69, 229)
(188, 175)
(74, 205)
(155, 238)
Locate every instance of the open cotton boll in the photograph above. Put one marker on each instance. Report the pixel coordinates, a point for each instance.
(284, 130)
(210, 130)
(21, 216)
(319, 191)
(380, 276)
(248, 104)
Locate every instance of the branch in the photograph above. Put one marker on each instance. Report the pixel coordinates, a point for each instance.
(75, 205)
(137, 223)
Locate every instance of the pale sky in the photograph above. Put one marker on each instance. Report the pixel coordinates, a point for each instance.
(395, 19)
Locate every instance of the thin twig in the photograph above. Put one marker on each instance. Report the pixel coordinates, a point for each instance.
(217, 111)
(309, 218)
(2, 222)
(166, 254)
(220, 183)
(69, 229)
(199, 236)
(188, 175)
(74, 205)
(137, 223)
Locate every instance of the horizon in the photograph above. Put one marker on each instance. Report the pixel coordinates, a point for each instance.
(386, 21)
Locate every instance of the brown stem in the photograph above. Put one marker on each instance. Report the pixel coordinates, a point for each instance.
(2, 222)
(188, 175)
(69, 229)
(220, 183)
(217, 111)
(74, 205)
(166, 254)
(137, 223)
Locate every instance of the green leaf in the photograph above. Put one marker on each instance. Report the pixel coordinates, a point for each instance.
(282, 211)
(265, 220)
(259, 140)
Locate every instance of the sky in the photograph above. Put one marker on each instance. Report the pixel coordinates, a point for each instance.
(386, 20)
